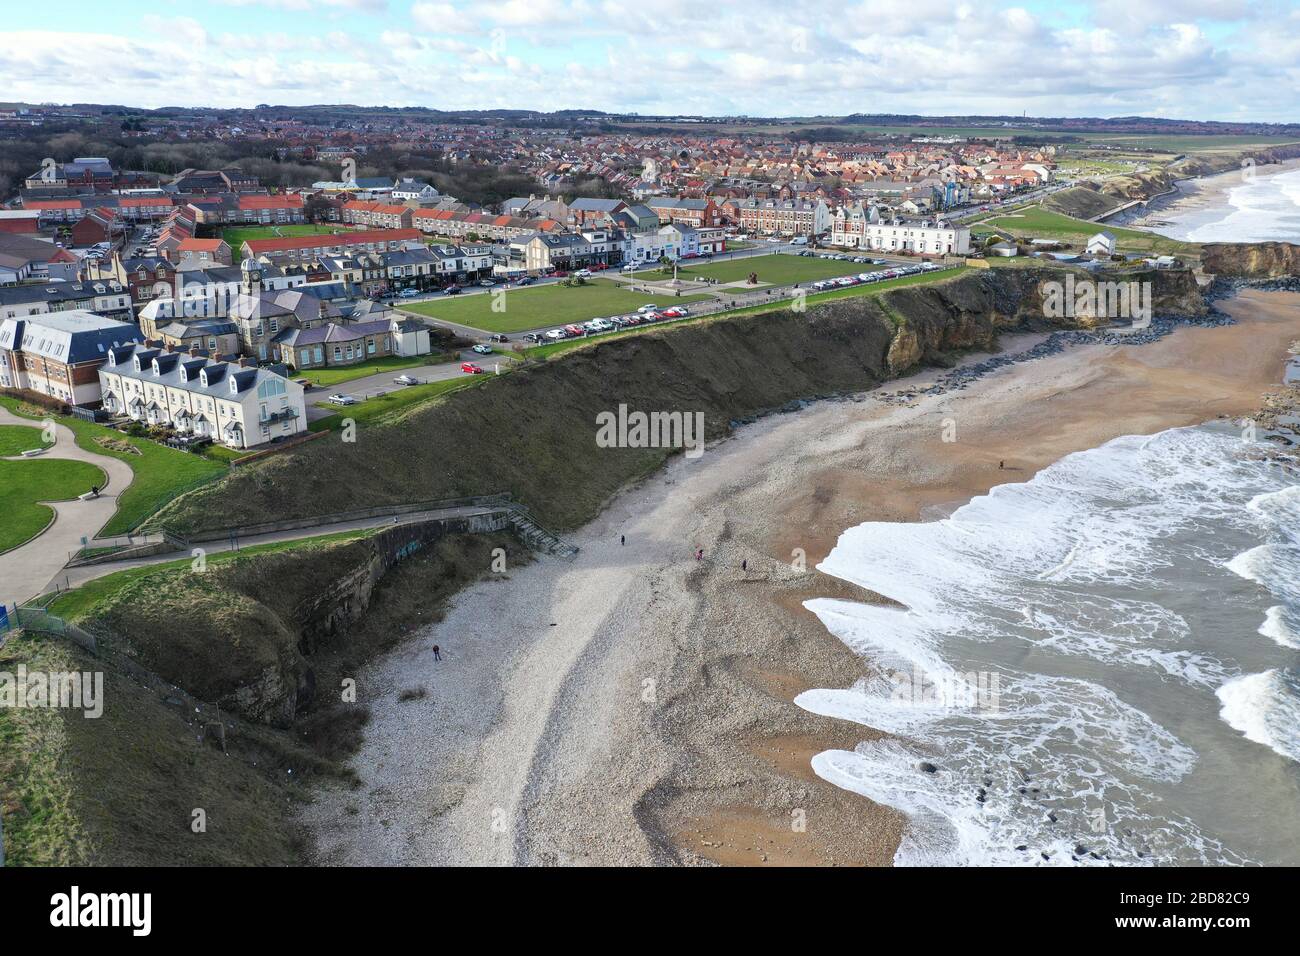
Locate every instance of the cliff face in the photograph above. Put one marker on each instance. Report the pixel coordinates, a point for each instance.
(533, 432)
(1260, 260)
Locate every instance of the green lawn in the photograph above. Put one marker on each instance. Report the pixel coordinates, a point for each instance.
(777, 269)
(368, 412)
(1037, 223)
(540, 306)
(23, 484)
(16, 439)
(236, 236)
(161, 473)
(326, 377)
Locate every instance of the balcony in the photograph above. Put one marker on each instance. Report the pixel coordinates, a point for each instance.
(283, 415)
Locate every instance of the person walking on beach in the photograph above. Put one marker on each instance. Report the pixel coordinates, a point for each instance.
(1001, 464)
(699, 554)
(744, 565)
(622, 539)
(437, 653)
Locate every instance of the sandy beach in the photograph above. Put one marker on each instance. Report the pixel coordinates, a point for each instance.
(1197, 201)
(634, 705)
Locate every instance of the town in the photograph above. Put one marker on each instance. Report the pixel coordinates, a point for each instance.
(209, 305)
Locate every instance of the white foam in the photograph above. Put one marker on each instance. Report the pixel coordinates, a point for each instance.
(1264, 708)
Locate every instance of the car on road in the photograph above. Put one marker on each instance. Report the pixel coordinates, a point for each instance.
(342, 400)
(408, 294)
(525, 280)
(451, 290)
(406, 380)
(799, 241)
(471, 368)
(482, 349)
(559, 274)
(582, 274)
(651, 307)
(630, 267)
(486, 283)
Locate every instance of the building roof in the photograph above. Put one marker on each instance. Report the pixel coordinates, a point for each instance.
(71, 337)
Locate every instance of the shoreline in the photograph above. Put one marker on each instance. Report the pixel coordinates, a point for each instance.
(635, 706)
(1190, 196)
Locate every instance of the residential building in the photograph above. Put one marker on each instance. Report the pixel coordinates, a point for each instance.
(924, 236)
(238, 406)
(338, 244)
(60, 355)
(784, 217)
(202, 254)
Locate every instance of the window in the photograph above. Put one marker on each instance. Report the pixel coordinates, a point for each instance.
(338, 353)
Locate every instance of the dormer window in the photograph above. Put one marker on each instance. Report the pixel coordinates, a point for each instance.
(234, 385)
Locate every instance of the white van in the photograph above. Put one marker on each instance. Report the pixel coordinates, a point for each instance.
(799, 241)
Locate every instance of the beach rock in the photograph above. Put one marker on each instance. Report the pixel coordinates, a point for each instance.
(926, 767)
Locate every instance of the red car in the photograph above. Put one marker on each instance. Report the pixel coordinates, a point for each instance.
(559, 274)
(599, 267)
(575, 330)
(471, 368)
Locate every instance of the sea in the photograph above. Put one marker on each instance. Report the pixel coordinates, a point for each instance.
(1097, 666)
(1263, 206)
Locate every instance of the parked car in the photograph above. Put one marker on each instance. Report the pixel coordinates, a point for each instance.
(525, 280)
(408, 294)
(560, 274)
(498, 337)
(575, 330)
(451, 290)
(630, 267)
(470, 368)
(482, 349)
(406, 380)
(486, 283)
(557, 334)
(648, 308)
(582, 274)
(342, 400)
(532, 336)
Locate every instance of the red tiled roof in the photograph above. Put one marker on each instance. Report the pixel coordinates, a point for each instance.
(270, 202)
(259, 246)
(201, 245)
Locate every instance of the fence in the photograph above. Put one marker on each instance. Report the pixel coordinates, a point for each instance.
(41, 621)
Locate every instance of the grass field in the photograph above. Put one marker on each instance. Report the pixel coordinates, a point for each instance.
(236, 236)
(23, 484)
(16, 439)
(161, 473)
(540, 306)
(1038, 223)
(776, 269)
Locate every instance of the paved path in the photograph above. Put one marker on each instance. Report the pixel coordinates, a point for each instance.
(72, 577)
(26, 570)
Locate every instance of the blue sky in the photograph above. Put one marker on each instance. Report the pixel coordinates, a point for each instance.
(1201, 59)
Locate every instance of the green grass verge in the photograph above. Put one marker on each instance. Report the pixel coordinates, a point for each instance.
(539, 306)
(326, 377)
(161, 473)
(24, 484)
(16, 439)
(393, 403)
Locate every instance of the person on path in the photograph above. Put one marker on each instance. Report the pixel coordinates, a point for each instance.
(437, 653)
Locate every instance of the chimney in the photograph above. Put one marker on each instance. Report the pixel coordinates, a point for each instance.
(245, 362)
(195, 351)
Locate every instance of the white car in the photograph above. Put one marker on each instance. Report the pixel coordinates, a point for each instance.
(342, 400)
(406, 380)
(648, 308)
(556, 334)
(582, 274)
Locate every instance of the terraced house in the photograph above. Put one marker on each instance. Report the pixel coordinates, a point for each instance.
(60, 355)
(784, 217)
(238, 406)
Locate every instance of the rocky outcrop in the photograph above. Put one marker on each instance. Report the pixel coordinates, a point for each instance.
(1252, 260)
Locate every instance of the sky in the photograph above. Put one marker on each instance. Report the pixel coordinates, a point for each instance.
(1186, 59)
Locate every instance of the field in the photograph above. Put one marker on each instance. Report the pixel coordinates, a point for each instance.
(776, 269)
(541, 306)
(236, 236)
(25, 483)
(1037, 223)
(161, 473)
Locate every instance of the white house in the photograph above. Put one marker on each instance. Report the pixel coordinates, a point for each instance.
(925, 236)
(234, 405)
(1102, 244)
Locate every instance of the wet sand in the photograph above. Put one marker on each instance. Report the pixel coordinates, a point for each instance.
(634, 705)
